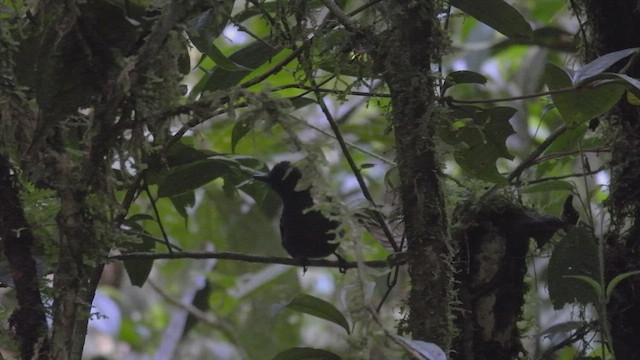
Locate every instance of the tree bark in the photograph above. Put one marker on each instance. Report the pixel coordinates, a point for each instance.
(414, 45)
(612, 26)
(28, 320)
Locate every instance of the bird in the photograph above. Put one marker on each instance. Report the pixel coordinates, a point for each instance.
(306, 234)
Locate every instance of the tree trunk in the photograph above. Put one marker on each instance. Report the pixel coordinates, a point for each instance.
(413, 46)
(615, 25)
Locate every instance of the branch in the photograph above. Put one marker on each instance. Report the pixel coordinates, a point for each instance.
(340, 15)
(331, 91)
(351, 145)
(197, 313)
(356, 171)
(569, 89)
(561, 177)
(248, 258)
(530, 160)
(572, 152)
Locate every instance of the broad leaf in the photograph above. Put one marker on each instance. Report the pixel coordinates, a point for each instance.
(556, 185)
(631, 84)
(182, 202)
(463, 77)
(242, 127)
(480, 139)
(319, 308)
(497, 14)
(583, 104)
(250, 57)
(601, 64)
(182, 153)
(139, 269)
(206, 27)
(191, 176)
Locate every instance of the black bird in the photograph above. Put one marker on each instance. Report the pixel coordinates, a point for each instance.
(305, 234)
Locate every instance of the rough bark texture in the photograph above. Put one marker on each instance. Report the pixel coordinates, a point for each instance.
(615, 25)
(28, 320)
(413, 43)
(71, 55)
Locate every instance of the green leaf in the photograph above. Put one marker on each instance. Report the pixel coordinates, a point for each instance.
(631, 84)
(590, 281)
(616, 280)
(463, 77)
(633, 99)
(182, 202)
(138, 217)
(222, 61)
(242, 128)
(181, 153)
(139, 269)
(303, 353)
(582, 104)
(497, 14)
(300, 102)
(319, 308)
(206, 27)
(575, 254)
(601, 64)
(188, 177)
(568, 141)
(480, 139)
(546, 36)
(250, 57)
(555, 185)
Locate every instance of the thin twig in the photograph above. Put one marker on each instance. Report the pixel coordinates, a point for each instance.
(530, 160)
(331, 91)
(562, 177)
(251, 34)
(355, 170)
(393, 337)
(560, 154)
(569, 89)
(351, 145)
(165, 237)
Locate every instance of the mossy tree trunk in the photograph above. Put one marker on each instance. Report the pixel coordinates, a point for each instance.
(412, 46)
(613, 26)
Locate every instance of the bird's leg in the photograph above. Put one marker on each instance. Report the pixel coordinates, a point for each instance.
(304, 262)
(342, 263)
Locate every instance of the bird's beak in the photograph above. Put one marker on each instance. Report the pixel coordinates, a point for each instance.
(262, 177)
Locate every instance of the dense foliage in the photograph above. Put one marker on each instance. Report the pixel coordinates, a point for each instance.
(131, 132)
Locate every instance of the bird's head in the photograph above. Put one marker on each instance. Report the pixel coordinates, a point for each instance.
(282, 178)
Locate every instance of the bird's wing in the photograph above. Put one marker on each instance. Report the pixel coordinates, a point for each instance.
(282, 229)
